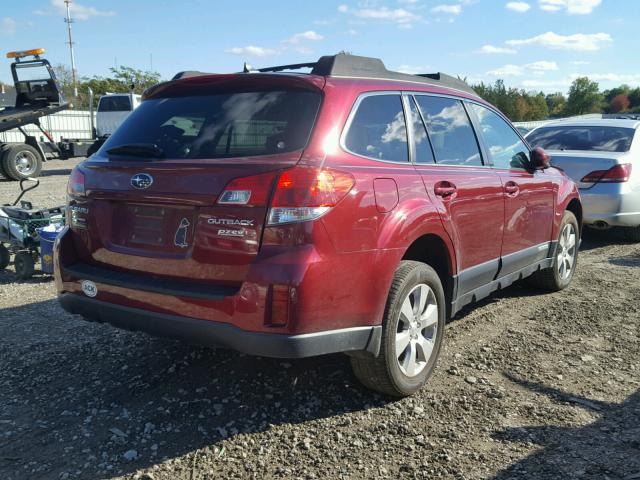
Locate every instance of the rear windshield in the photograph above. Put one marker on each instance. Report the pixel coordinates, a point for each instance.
(601, 139)
(222, 125)
(115, 104)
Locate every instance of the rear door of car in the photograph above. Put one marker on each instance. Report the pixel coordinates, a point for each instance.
(466, 191)
(528, 194)
(196, 209)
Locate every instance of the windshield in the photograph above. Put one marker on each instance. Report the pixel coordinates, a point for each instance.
(222, 125)
(601, 139)
(30, 71)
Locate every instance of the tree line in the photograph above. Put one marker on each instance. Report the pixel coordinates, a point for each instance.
(584, 96)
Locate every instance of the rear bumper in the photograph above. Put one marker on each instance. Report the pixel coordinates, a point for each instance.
(617, 205)
(206, 332)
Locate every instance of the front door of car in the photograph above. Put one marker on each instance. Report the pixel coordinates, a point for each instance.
(528, 194)
(467, 193)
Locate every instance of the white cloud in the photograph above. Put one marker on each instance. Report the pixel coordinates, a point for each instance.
(309, 35)
(412, 69)
(491, 49)
(579, 41)
(8, 26)
(609, 77)
(536, 68)
(253, 51)
(450, 9)
(542, 66)
(547, 85)
(508, 70)
(580, 62)
(80, 12)
(573, 7)
(520, 7)
(399, 16)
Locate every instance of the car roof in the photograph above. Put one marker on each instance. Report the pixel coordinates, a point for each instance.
(594, 122)
(356, 70)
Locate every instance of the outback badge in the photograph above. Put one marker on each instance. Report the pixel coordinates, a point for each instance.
(180, 238)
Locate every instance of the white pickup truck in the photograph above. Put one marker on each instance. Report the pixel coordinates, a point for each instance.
(113, 108)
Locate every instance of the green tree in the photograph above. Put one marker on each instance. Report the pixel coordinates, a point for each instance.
(556, 103)
(584, 97)
(538, 109)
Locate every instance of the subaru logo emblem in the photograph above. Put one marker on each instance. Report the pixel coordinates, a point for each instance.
(141, 180)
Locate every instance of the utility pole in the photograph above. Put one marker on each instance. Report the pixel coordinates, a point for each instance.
(69, 21)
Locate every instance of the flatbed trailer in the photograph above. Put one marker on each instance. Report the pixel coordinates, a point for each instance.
(37, 95)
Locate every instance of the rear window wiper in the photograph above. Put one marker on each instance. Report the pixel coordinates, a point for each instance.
(145, 150)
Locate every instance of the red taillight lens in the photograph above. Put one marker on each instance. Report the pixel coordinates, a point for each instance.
(75, 186)
(249, 191)
(305, 193)
(618, 174)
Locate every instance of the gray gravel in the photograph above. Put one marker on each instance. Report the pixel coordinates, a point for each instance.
(529, 385)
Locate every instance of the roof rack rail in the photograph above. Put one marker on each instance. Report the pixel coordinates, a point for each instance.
(346, 65)
(188, 74)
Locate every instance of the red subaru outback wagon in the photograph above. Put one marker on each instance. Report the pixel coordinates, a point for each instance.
(351, 209)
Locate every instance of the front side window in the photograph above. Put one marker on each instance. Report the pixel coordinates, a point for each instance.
(378, 129)
(602, 138)
(506, 149)
(450, 131)
(221, 125)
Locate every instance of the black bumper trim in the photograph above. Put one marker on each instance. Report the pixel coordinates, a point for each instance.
(136, 281)
(212, 333)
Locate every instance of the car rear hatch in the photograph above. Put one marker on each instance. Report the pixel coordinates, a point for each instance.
(181, 189)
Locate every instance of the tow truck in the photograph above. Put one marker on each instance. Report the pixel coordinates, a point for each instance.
(38, 94)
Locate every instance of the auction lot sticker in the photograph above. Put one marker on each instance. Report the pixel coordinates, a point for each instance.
(89, 288)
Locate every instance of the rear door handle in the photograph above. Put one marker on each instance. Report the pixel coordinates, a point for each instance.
(511, 188)
(444, 189)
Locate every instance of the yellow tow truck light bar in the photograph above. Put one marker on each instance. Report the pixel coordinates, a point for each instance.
(25, 53)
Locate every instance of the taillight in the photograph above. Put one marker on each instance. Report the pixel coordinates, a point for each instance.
(75, 186)
(305, 193)
(618, 174)
(249, 191)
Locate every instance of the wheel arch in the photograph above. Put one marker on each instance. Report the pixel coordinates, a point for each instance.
(434, 251)
(575, 207)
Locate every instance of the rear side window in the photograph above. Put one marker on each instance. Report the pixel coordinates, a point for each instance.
(506, 149)
(378, 129)
(115, 104)
(450, 131)
(423, 152)
(602, 139)
(224, 125)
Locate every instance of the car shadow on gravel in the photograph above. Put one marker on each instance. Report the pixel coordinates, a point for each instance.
(82, 397)
(607, 448)
(592, 238)
(55, 172)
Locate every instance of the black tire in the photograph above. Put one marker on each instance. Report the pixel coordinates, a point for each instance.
(3, 174)
(24, 265)
(383, 373)
(632, 233)
(5, 257)
(10, 159)
(551, 278)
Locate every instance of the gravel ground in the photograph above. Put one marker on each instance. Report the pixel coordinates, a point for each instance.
(529, 385)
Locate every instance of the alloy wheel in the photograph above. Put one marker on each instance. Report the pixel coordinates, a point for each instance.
(417, 329)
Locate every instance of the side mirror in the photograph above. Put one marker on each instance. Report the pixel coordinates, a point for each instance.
(540, 160)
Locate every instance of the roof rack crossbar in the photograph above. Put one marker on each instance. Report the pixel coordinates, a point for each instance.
(279, 68)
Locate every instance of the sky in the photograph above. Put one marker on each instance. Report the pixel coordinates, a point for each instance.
(532, 44)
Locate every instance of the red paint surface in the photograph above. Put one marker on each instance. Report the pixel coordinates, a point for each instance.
(338, 267)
